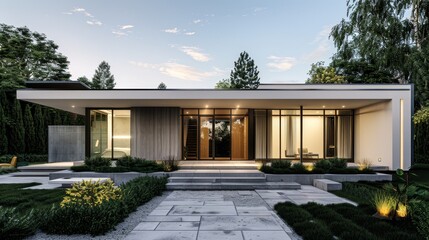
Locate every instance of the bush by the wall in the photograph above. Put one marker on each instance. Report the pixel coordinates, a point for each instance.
(94, 162)
(25, 158)
(420, 217)
(14, 225)
(281, 164)
(338, 163)
(420, 166)
(82, 168)
(99, 219)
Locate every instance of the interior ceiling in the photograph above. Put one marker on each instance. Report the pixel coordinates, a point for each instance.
(78, 106)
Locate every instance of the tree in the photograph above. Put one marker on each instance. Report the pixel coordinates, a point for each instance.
(27, 55)
(243, 76)
(103, 79)
(162, 86)
(245, 73)
(30, 136)
(3, 137)
(321, 74)
(57, 118)
(17, 141)
(40, 129)
(361, 72)
(85, 81)
(223, 84)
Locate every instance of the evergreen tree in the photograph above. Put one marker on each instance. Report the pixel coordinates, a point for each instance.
(243, 76)
(48, 120)
(85, 81)
(162, 86)
(30, 136)
(3, 137)
(57, 118)
(40, 130)
(103, 79)
(66, 119)
(16, 140)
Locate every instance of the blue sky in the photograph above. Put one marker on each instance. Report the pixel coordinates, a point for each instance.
(185, 44)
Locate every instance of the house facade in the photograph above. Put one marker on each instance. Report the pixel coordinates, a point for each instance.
(301, 122)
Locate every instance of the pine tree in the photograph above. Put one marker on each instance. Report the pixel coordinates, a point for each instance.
(48, 120)
(245, 73)
(103, 79)
(85, 81)
(40, 130)
(57, 118)
(162, 86)
(3, 137)
(30, 136)
(66, 119)
(17, 136)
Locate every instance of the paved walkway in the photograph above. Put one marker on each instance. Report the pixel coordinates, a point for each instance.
(44, 181)
(226, 215)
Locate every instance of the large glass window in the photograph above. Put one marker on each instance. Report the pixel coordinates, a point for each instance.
(261, 134)
(290, 137)
(239, 137)
(110, 133)
(312, 139)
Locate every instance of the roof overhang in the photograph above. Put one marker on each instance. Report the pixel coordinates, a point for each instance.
(294, 96)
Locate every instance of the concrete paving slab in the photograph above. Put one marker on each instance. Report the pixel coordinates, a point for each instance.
(220, 235)
(146, 226)
(203, 210)
(159, 213)
(263, 235)
(162, 235)
(182, 203)
(239, 223)
(153, 218)
(218, 203)
(178, 226)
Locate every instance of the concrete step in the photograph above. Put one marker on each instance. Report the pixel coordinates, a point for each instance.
(233, 186)
(218, 166)
(30, 174)
(216, 179)
(41, 169)
(217, 173)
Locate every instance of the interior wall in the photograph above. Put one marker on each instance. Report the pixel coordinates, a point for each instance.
(155, 133)
(373, 134)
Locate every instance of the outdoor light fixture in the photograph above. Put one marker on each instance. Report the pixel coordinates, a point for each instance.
(238, 106)
(72, 106)
(323, 106)
(207, 106)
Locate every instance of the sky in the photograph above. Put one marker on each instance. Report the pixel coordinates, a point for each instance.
(186, 43)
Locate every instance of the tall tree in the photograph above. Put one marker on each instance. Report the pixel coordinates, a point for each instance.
(40, 130)
(57, 118)
(322, 74)
(27, 55)
(103, 79)
(162, 86)
(85, 81)
(17, 136)
(245, 74)
(30, 136)
(3, 136)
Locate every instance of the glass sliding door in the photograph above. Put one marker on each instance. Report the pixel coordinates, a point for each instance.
(344, 136)
(110, 133)
(239, 138)
(312, 130)
(206, 138)
(261, 134)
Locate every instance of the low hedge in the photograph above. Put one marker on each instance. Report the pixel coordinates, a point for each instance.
(97, 220)
(15, 225)
(25, 158)
(125, 164)
(420, 166)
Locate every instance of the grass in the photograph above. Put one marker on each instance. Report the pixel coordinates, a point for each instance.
(13, 195)
(344, 221)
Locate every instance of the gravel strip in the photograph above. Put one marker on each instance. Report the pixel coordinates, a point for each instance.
(122, 229)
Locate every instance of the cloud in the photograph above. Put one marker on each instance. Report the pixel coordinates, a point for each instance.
(196, 21)
(195, 53)
(259, 9)
(79, 10)
(123, 27)
(172, 30)
(180, 71)
(322, 45)
(190, 33)
(119, 33)
(96, 22)
(281, 63)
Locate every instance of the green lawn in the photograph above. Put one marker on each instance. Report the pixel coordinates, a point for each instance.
(12, 195)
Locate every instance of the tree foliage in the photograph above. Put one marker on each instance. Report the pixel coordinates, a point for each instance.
(245, 74)
(322, 74)
(162, 86)
(85, 81)
(17, 132)
(27, 55)
(103, 79)
(30, 135)
(3, 137)
(39, 126)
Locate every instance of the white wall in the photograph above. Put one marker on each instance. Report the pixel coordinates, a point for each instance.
(373, 134)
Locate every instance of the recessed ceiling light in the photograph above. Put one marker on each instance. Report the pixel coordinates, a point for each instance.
(343, 106)
(73, 106)
(207, 106)
(323, 106)
(187, 112)
(238, 106)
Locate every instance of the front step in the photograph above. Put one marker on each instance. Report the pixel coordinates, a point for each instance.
(218, 166)
(217, 173)
(233, 186)
(216, 179)
(30, 174)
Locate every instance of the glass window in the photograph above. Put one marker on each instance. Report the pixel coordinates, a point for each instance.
(275, 112)
(239, 111)
(330, 112)
(260, 134)
(344, 136)
(190, 111)
(222, 111)
(206, 111)
(206, 137)
(312, 147)
(290, 112)
(101, 133)
(344, 112)
(239, 137)
(290, 137)
(312, 112)
(190, 137)
(121, 133)
(274, 136)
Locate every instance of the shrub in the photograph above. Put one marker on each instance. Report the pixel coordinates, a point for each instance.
(420, 166)
(25, 158)
(420, 217)
(299, 168)
(82, 168)
(281, 164)
(101, 218)
(138, 164)
(339, 163)
(91, 193)
(313, 230)
(323, 164)
(14, 225)
(94, 162)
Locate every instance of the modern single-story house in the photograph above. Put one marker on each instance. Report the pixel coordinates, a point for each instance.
(302, 122)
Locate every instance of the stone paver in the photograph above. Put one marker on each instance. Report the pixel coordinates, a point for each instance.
(226, 215)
